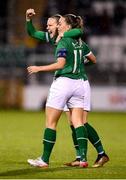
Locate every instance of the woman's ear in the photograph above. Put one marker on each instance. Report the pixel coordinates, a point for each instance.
(69, 27)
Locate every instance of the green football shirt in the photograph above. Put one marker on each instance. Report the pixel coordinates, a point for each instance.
(74, 52)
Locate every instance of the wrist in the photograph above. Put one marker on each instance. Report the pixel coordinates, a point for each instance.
(28, 19)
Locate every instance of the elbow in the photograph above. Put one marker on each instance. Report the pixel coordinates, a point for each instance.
(60, 67)
(61, 63)
(94, 61)
(29, 33)
(92, 58)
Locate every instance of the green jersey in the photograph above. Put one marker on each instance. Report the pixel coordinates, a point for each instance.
(74, 52)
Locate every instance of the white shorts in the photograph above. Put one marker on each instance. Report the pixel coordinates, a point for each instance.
(87, 97)
(66, 91)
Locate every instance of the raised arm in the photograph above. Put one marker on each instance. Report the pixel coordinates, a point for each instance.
(31, 30)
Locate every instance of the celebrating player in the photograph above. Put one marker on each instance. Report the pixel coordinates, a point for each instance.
(67, 88)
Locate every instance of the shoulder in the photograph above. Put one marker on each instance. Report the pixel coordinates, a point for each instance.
(64, 41)
(85, 45)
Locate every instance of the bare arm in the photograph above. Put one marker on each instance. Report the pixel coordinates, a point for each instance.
(52, 67)
(91, 57)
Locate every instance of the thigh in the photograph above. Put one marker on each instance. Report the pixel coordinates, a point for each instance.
(85, 116)
(77, 117)
(52, 117)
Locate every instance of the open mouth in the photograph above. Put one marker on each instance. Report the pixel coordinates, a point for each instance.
(51, 33)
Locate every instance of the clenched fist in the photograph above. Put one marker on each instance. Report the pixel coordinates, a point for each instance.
(29, 14)
(33, 69)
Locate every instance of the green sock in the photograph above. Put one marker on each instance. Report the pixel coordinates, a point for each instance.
(81, 135)
(48, 141)
(75, 141)
(94, 138)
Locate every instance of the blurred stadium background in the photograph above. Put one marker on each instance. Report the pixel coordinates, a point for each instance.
(105, 32)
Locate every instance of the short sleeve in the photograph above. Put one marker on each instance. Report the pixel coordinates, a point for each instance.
(87, 50)
(61, 49)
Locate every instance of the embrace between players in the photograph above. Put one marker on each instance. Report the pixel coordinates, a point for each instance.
(70, 90)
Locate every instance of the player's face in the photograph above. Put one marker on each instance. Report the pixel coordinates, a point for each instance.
(52, 27)
(63, 26)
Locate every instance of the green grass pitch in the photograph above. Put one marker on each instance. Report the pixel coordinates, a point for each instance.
(21, 138)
